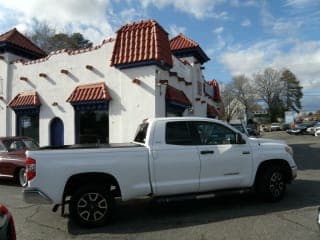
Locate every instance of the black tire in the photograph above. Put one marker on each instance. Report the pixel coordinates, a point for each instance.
(271, 184)
(91, 206)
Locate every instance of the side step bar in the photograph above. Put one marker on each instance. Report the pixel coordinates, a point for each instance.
(177, 198)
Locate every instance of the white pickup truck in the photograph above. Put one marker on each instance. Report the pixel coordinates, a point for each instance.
(170, 158)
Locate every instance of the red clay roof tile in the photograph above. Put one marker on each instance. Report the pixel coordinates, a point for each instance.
(177, 95)
(182, 46)
(143, 42)
(90, 92)
(14, 37)
(182, 42)
(25, 99)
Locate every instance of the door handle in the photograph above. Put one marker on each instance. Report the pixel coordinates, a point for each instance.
(207, 152)
(245, 152)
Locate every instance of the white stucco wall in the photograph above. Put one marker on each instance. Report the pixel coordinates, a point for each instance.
(6, 122)
(130, 103)
(3, 94)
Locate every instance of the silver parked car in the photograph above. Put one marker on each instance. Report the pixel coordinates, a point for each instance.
(313, 129)
(275, 127)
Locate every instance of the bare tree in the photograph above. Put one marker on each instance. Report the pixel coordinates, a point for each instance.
(228, 97)
(41, 35)
(244, 92)
(47, 38)
(269, 88)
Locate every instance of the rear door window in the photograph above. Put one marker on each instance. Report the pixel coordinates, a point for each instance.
(177, 133)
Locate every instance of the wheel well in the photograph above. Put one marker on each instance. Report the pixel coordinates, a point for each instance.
(101, 179)
(16, 172)
(275, 162)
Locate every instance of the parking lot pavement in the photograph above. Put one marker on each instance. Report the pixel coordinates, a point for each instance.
(235, 217)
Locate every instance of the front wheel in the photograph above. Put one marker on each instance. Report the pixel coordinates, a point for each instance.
(91, 206)
(271, 184)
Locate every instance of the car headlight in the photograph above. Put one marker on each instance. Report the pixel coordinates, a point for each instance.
(289, 150)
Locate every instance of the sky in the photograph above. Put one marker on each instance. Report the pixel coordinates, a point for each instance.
(239, 36)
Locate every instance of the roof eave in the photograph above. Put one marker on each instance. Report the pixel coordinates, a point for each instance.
(161, 64)
(197, 52)
(9, 47)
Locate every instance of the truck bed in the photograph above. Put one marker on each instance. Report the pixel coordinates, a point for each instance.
(91, 145)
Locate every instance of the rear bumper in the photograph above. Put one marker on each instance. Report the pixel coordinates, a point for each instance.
(35, 196)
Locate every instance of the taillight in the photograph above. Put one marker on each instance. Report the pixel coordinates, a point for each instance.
(30, 168)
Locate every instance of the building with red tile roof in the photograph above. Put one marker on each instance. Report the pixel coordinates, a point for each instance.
(15, 42)
(101, 94)
(182, 46)
(141, 43)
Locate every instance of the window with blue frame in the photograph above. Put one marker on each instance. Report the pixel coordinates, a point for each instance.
(91, 122)
(27, 123)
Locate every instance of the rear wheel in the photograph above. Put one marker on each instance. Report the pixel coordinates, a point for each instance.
(91, 206)
(21, 177)
(272, 184)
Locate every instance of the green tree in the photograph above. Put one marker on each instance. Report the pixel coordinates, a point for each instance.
(292, 92)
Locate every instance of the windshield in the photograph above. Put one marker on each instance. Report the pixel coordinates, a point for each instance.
(19, 144)
(30, 144)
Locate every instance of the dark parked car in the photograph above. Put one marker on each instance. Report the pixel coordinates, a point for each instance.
(299, 129)
(12, 157)
(7, 229)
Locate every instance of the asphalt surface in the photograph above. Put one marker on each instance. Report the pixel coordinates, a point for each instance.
(236, 217)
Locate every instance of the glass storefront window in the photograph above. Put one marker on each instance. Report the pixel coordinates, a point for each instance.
(28, 125)
(92, 126)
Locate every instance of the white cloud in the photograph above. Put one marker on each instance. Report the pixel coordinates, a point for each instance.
(129, 15)
(280, 26)
(89, 15)
(220, 16)
(246, 23)
(174, 30)
(246, 3)
(300, 3)
(302, 58)
(199, 9)
(218, 30)
(246, 61)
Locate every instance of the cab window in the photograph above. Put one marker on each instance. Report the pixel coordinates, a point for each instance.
(177, 133)
(214, 134)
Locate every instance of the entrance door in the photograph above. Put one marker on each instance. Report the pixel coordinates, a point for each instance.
(56, 132)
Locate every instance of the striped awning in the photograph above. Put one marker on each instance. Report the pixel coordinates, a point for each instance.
(89, 93)
(176, 96)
